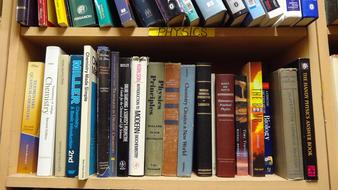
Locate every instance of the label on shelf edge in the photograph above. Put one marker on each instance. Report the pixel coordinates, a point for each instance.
(181, 32)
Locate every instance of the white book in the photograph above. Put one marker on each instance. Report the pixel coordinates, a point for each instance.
(292, 13)
(272, 14)
(48, 112)
(61, 116)
(213, 126)
(334, 68)
(87, 157)
(138, 93)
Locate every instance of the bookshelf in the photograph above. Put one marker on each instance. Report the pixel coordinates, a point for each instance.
(228, 49)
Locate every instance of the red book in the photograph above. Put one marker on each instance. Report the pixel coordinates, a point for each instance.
(225, 125)
(46, 13)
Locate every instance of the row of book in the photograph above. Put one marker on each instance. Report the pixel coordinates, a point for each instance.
(99, 113)
(153, 13)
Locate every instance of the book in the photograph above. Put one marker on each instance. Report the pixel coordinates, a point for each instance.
(74, 115)
(241, 101)
(155, 119)
(46, 13)
(286, 122)
(69, 16)
(186, 120)
(255, 13)
(292, 13)
(236, 10)
(27, 13)
(87, 157)
(212, 11)
(172, 12)
(192, 16)
(29, 138)
(202, 138)
(253, 73)
(103, 12)
(62, 117)
(309, 12)
(213, 125)
(82, 13)
(103, 111)
(334, 76)
(61, 13)
(268, 145)
(147, 13)
(225, 125)
(124, 122)
(125, 13)
(331, 12)
(273, 11)
(48, 112)
(138, 93)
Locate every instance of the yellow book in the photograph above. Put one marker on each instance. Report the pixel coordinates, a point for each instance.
(52, 21)
(61, 13)
(29, 143)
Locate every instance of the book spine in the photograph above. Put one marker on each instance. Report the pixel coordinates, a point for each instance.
(69, 14)
(237, 11)
(61, 13)
(255, 13)
(42, 13)
(82, 13)
(241, 101)
(114, 115)
(203, 158)
(186, 120)
(148, 13)
(125, 13)
(307, 120)
(21, 9)
(213, 124)
(155, 119)
(74, 116)
(29, 138)
(103, 13)
(124, 107)
(137, 115)
(189, 9)
(48, 112)
(103, 111)
(51, 15)
(267, 130)
(169, 9)
(225, 125)
(62, 116)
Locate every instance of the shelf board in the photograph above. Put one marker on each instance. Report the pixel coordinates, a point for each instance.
(196, 183)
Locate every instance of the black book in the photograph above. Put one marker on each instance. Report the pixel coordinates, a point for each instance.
(331, 12)
(103, 114)
(172, 12)
(124, 106)
(69, 16)
(27, 12)
(236, 10)
(202, 140)
(147, 13)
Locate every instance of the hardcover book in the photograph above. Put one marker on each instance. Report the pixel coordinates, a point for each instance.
(46, 13)
(192, 17)
(172, 12)
(74, 116)
(309, 12)
(213, 125)
(236, 10)
(61, 13)
(292, 13)
(155, 119)
(82, 13)
(186, 120)
(125, 13)
(273, 11)
(225, 125)
(212, 11)
(29, 138)
(331, 12)
(202, 138)
(27, 12)
(103, 12)
(256, 13)
(69, 17)
(147, 12)
(253, 72)
(267, 130)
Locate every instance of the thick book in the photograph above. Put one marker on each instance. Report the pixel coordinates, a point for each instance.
(225, 125)
(61, 13)
(292, 13)
(273, 11)
(202, 138)
(46, 13)
(242, 139)
(48, 112)
(172, 12)
(171, 118)
(29, 138)
(27, 12)
(155, 119)
(138, 93)
(103, 12)
(268, 145)
(186, 120)
(286, 122)
(103, 111)
(309, 12)
(212, 11)
(253, 72)
(124, 107)
(82, 13)
(213, 125)
(237, 12)
(74, 115)
(62, 116)
(256, 13)
(147, 13)
(87, 158)
(192, 16)
(125, 13)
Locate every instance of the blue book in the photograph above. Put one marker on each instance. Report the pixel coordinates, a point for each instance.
(74, 116)
(212, 11)
(309, 12)
(125, 13)
(256, 13)
(186, 120)
(267, 130)
(103, 12)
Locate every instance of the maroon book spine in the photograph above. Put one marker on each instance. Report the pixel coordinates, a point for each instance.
(225, 125)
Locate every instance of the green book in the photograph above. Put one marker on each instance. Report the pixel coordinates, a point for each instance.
(82, 13)
(155, 119)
